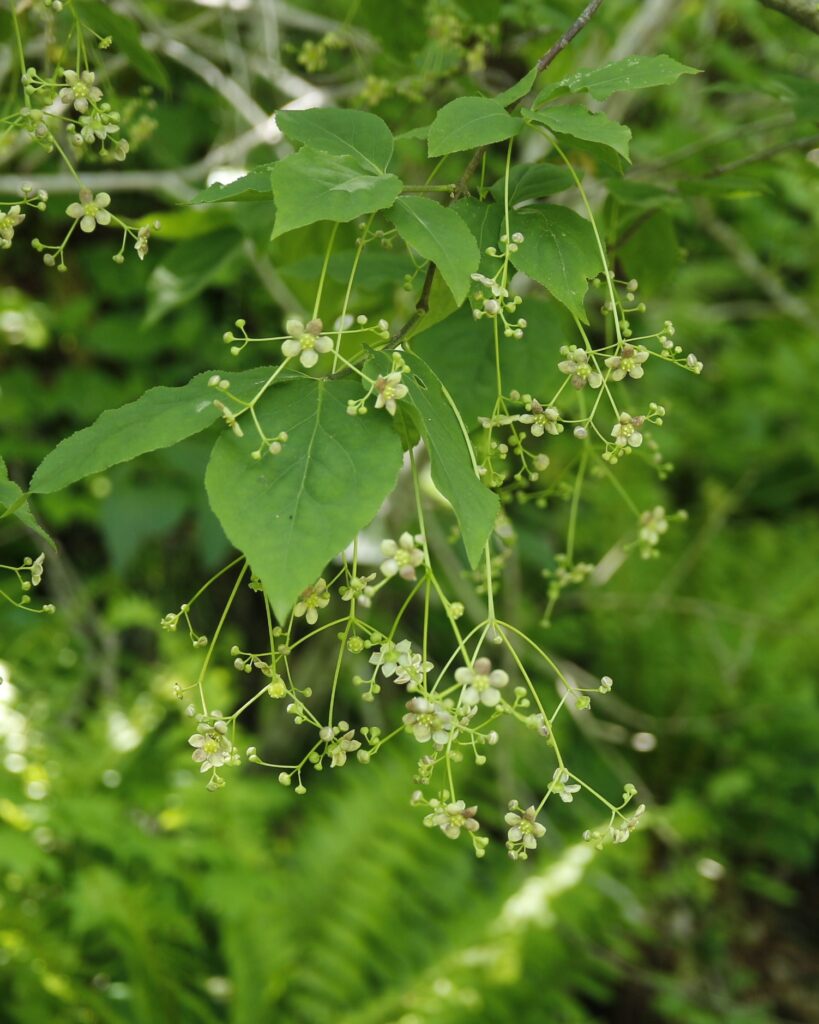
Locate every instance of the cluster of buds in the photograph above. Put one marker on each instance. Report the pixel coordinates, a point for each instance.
(497, 304)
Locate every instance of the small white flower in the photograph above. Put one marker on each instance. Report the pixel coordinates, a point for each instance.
(625, 431)
(339, 748)
(91, 210)
(412, 672)
(428, 721)
(12, 218)
(561, 785)
(392, 657)
(543, 421)
(623, 829)
(653, 524)
(36, 570)
(401, 557)
(306, 342)
(524, 831)
(577, 366)
(79, 90)
(481, 684)
(629, 362)
(212, 748)
(390, 390)
(452, 817)
(311, 601)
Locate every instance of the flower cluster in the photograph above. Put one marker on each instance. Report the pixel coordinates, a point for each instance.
(28, 576)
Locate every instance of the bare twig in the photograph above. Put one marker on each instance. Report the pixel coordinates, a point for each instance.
(804, 12)
(573, 30)
(805, 142)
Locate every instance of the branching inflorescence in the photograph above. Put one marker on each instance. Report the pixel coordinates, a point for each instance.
(347, 393)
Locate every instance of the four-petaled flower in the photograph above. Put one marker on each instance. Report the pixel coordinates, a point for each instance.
(311, 601)
(561, 785)
(340, 747)
(91, 210)
(391, 389)
(306, 341)
(577, 365)
(481, 683)
(80, 90)
(211, 746)
(412, 672)
(524, 828)
(452, 817)
(625, 431)
(12, 218)
(630, 361)
(543, 421)
(428, 721)
(391, 657)
(401, 557)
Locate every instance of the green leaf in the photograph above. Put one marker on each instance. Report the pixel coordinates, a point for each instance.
(627, 74)
(310, 186)
(461, 354)
(468, 123)
(485, 222)
(580, 123)
(13, 503)
(421, 132)
(559, 251)
(125, 35)
(518, 90)
(441, 305)
(354, 133)
(438, 234)
(158, 419)
(651, 253)
(533, 181)
(474, 505)
(251, 187)
(640, 194)
(187, 271)
(291, 513)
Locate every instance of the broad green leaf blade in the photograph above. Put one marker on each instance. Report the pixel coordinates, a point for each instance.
(438, 234)
(533, 181)
(13, 503)
(518, 90)
(485, 221)
(158, 419)
(580, 123)
(468, 123)
(461, 353)
(254, 187)
(292, 512)
(559, 251)
(474, 505)
(354, 133)
(627, 74)
(310, 186)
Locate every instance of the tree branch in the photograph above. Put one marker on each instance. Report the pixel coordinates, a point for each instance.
(573, 30)
(804, 12)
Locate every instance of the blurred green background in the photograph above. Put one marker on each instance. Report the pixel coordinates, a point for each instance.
(128, 893)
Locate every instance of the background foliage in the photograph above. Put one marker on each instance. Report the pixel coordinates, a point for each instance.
(127, 893)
